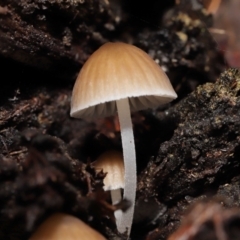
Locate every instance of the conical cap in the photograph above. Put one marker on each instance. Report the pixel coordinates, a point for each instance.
(116, 71)
(111, 162)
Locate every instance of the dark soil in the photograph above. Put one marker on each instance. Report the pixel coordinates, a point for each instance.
(187, 151)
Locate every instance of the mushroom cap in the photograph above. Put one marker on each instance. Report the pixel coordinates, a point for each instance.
(111, 162)
(62, 226)
(116, 71)
(211, 5)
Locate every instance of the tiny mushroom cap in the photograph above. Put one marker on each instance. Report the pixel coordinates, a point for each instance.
(111, 162)
(118, 71)
(211, 5)
(62, 226)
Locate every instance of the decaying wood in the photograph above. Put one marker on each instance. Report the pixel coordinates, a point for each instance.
(51, 35)
(203, 152)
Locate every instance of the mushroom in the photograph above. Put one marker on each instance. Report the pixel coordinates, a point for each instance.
(211, 5)
(111, 162)
(120, 77)
(62, 226)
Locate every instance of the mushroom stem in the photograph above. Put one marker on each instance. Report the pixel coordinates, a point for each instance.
(116, 196)
(129, 156)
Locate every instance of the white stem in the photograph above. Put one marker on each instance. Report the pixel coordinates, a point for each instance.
(116, 196)
(129, 157)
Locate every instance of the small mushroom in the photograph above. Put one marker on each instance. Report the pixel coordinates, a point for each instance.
(62, 226)
(111, 162)
(119, 78)
(211, 5)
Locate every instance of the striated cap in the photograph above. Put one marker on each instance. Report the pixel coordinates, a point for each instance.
(62, 226)
(116, 71)
(111, 162)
